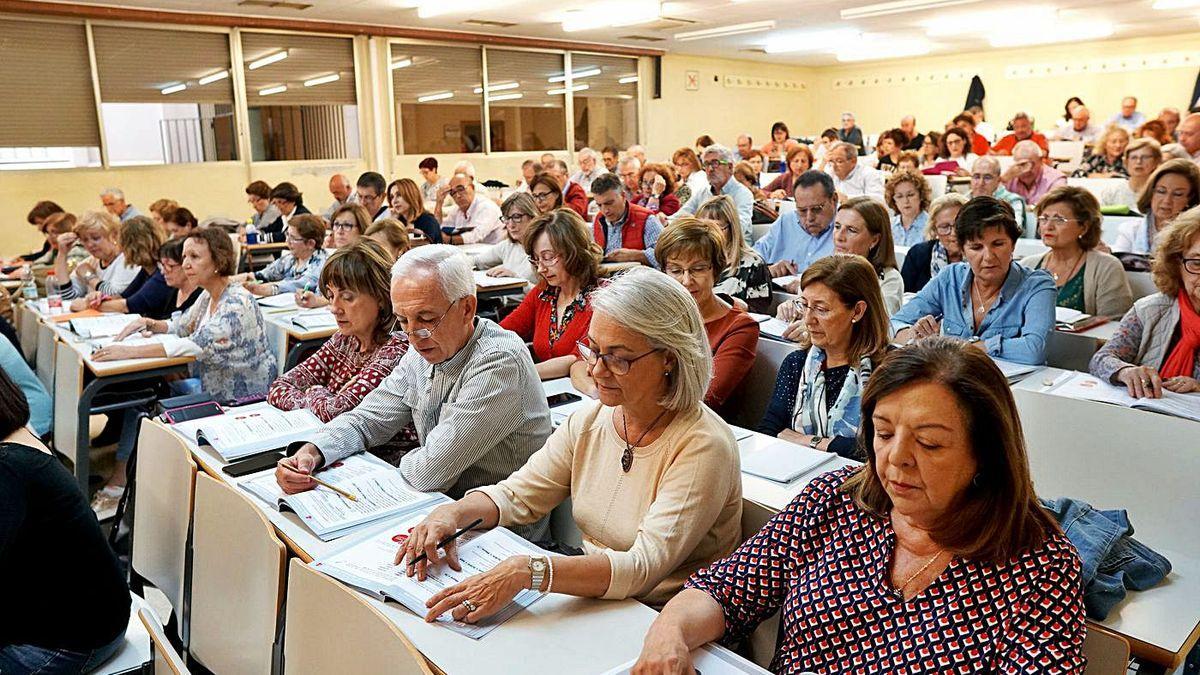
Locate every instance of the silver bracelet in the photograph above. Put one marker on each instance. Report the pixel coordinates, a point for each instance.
(550, 581)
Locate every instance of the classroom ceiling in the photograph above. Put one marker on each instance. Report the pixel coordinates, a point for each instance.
(935, 27)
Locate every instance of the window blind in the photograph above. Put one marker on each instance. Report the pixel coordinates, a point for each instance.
(136, 65)
(309, 59)
(47, 85)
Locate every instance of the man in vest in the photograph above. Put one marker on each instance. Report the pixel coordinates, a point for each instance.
(627, 232)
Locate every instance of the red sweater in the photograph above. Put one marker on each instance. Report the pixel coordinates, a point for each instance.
(1004, 146)
(979, 145)
(668, 204)
(734, 341)
(532, 318)
(576, 199)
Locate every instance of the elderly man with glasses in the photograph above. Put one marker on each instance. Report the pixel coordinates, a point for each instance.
(851, 179)
(477, 219)
(985, 182)
(590, 169)
(799, 237)
(464, 384)
(717, 161)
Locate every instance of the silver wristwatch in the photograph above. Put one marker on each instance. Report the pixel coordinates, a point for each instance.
(538, 564)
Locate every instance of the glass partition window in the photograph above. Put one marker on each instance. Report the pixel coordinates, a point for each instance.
(300, 97)
(438, 95)
(524, 113)
(605, 90)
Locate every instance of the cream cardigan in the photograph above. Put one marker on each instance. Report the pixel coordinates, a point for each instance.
(1105, 286)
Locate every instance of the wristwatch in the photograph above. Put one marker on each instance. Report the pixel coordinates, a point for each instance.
(537, 571)
(816, 441)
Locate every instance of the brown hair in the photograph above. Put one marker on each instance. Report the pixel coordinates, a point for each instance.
(140, 240)
(1182, 167)
(692, 237)
(668, 174)
(183, 218)
(1157, 131)
(853, 279)
(742, 171)
(571, 240)
(362, 219)
(412, 194)
(907, 176)
(41, 211)
(165, 208)
(59, 223)
(883, 253)
(1166, 267)
(721, 210)
(550, 182)
(999, 516)
(309, 226)
(220, 248)
(944, 151)
(1085, 207)
(909, 156)
(704, 140)
(393, 231)
(798, 150)
(259, 189)
(363, 267)
(1143, 142)
(688, 156)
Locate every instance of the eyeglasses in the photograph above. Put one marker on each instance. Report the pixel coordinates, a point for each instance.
(647, 185)
(945, 229)
(515, 218)
(540, 196)
(1192, 265)
(695, 271)
(1055, 220)
(980, 177)
(810, 211)
(545, 260)
(456, 191)
(423, 333)
(343, 225)
(295, 240)
(714, 163)
(616, 364)
(1140, 158)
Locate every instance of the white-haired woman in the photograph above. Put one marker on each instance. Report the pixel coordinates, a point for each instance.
(652, 473)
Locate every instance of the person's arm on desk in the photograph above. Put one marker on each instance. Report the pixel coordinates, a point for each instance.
(582, 381)
(554, 368)
(690, 620)
(628, 255)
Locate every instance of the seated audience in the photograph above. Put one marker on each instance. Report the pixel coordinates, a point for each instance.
(609, 155)
(861, 228)
(590, 169)
(780, 145)
(529, 169)
(41, 407)
(477, 218)
(816, 398)
(656, 184)
(347, 224)
(258, 196)
(746, 276)
(912, 139)
(1106, 157)
(956, 147)
(702, 142)
(106, 270)
(931, 150)
(887, 150)
(909, 160)
(743, 147)
(628, 170)
(508, 258)
(1142, 159)
(764, 210)
(555, 314)
(1129, 117)
(55, 227)
(390, 234)
(625, 231)
(434, 183)
(161, 211)
(1028, 177)
(1170, 119)
(180, 224)
(56, 557)
(113, 200)
(978, 145)
(37, 217)
(940, 536)
(1070, 106)
(1078, 128)
(288, 200)
(574, 196)
(370, 190)
(637, 152)
(850, 178)
(297, 269)
(801, 236)
(821, 147)
(692, 252)
(651, 472)
(986, 182)
(999, 306)
(1088, 280)
(168, 290)
(1189, 136)
(342, 193)
(926, 260)
(406, 205)
(718, 168)
(850, 133)
(799, 160)
(1171, 190)
(139, 241)
(757, 162)
(1022, 130)
(478, 422)
(1154, 130)
(546, 192)
(690, 175)
(363, 351)
(907, 194)
(1157, 346)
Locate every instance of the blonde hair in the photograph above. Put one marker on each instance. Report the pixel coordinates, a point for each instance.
(140, 240)
(1102, 140)
(720, 209)
(393, 231)
(946, 201)
(98, 220)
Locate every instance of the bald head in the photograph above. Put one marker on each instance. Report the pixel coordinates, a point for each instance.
(1189, 133)
(340, 187)
(985, 176)
(908, 124)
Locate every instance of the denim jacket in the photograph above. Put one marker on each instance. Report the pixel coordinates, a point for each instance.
(1014, 329)
(1112, 559)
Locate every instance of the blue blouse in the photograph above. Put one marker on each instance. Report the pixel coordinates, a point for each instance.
(1014, 329)
(914, 235)
(289, 277)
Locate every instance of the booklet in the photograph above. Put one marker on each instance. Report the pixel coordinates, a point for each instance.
(482, 280)
(107, 325)
(1075, 321)
(778, 460)
(770, 326)
(1090, 388)
(315, 319)
(250, 430)
(711, 659)
(279, 301)
(379, 492)
(367, 563)
(1015, 372)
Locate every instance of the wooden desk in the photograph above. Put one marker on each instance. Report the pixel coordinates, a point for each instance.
(289, 341)
(270, 247)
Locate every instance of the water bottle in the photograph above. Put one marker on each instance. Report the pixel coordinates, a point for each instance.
(28, 285)
(53, 294)
(251, 233)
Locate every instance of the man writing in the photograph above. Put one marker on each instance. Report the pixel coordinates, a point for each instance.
(627, 232)
(799, 237)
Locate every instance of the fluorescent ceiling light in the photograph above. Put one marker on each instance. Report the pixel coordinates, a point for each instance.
(899, 7)
(576, 75)
(735, 29)
(401, 63)
(268, 60)
(173, 89)
(984, 22)
(816, 41)
(1046, 33)
(628, 79)
(560, 92)
(505, 97)
(1175, 4)
(324, 79)
(272, 90)
(612, 13)
(440, 96)
(881, 47)
(503, 86)
(215, 77)
(430, 8)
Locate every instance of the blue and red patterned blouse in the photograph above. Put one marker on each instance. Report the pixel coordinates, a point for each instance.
(826, 562)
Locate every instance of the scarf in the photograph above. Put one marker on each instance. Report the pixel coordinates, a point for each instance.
(1182, 359)
(939, 260)
(809, 411)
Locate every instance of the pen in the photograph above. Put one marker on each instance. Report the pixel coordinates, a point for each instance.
(447, 540)
(335, 488)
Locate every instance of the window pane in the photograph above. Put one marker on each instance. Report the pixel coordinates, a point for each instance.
(438, 99)
(605, 107)
(523, 115)
(166, 95)
(300, 97)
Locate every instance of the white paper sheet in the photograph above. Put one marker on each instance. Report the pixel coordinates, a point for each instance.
(777, 460)
(255, 428)
(101, 326)
(482, 280)
(708, 660)
(1090, 388)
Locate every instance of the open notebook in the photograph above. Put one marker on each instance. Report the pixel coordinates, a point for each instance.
(379, 492)
(1090, 388)
(101, 326)
(769, 325)
(711, 659)
(250, 430)
(366, 563)
(778, 460)
(482, 280)
(315, 319)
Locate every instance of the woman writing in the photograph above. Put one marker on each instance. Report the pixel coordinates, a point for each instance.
(300, 267)
(926, 260)
(746, 276)
(508, 257)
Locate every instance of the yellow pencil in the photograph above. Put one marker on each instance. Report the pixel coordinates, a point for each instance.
(335, 488)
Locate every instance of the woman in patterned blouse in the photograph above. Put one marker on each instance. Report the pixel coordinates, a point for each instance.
(1106, 158)
(300, 267)
(362, 352)
(935, 556)
(556, 313)
(746, 277)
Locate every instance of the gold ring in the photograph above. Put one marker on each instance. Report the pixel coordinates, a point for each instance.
(471, 607)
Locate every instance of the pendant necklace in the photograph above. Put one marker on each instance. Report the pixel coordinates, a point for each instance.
(627, 456)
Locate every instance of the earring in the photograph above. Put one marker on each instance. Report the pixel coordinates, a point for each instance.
(976, 480)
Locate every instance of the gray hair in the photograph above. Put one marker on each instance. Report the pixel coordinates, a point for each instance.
(660, 309)
(850, 148)
(450, 265)
(1028, 144)
(987, 161)
(1174, 151)
(723, 153)
(636, 149)
(114, 192)
(1022, 115)
(465, 167)
(629, 159)
(587, 152)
